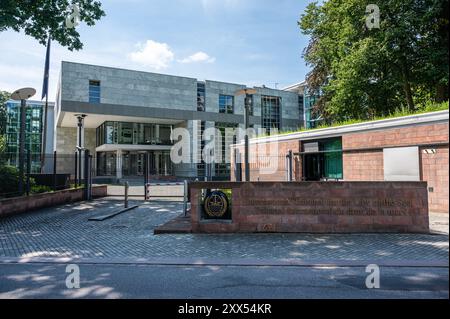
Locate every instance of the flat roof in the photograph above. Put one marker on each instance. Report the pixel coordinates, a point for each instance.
(170, 75)
(410, 120)
(32, 102)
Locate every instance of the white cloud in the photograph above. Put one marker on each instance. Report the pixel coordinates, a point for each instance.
(199, 57)
(153, 54)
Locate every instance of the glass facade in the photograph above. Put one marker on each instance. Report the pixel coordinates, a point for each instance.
(94, 92)
(33, 133)
(301, 108)
(201, 97)
(106, 163)
(134, 133)
(201, 167)
(226, 104)
(333, 164)
(271, 112)
(311, 120)
(222, 170)
(133, 163)
(324, 164)
(251, 106)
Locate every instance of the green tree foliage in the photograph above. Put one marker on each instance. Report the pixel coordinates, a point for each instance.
(9, 175)
(39, 18)
(2, 149)
(362, 73)
(4, 96)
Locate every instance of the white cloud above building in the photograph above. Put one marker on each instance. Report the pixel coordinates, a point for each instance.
(155, 55)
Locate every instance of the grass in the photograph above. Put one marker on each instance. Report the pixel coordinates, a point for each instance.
(427, 108)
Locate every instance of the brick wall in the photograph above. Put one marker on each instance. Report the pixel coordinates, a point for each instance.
(363, 158)
(404, 136)
(435, 172)
(25, 204)
(316, 207)
(363, 166)
(368, 165)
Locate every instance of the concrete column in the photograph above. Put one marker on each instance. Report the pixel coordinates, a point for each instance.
(157, 132)
(119, 163)
(157, 154)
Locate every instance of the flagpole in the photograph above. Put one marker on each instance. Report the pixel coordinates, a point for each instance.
(44, 135)
(46, 80)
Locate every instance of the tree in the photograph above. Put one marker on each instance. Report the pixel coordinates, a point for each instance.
(365, 72)
(4, 96)
(41, 18)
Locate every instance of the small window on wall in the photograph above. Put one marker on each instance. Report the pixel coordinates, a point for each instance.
(94, 91)
(226, 104)
(201, 97)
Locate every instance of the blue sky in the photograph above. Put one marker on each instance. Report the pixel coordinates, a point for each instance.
(242, 41)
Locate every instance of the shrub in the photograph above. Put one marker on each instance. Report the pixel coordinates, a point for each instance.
(39, 189)
(9, 181)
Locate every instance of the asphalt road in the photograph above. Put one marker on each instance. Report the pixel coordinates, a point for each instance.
(197, 282)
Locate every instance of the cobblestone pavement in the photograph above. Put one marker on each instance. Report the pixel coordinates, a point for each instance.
(66, 232)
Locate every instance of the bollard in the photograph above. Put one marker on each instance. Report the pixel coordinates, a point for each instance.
(185, 198)
(147, 191)
(127, 186)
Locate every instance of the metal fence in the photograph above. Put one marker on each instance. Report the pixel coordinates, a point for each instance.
(39, 174)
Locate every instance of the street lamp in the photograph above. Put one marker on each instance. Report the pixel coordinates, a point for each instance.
(80, 148)
(248, 102)
(22, 95)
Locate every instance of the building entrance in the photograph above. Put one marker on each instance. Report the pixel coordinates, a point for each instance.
(159, 163)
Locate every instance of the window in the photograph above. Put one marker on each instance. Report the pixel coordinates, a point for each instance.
(94, 91)
(226, 104)
(33, 133)
(249, 100)
(301, 108)
(322, 160)
(223, 169)
(271, 112)
(201, 95)
(134, 133)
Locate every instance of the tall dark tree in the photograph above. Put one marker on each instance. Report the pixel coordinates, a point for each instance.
(4, 96)
(365, 72)
(39, 18)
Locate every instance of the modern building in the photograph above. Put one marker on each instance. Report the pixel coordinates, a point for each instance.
(306, 103)
(410, 148)
(34, 126)
(130, 114)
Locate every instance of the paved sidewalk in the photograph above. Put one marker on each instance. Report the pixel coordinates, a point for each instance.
(66, 232)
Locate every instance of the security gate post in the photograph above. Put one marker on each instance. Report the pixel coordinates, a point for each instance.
(86, 175)
(185, 198)
(127, 186)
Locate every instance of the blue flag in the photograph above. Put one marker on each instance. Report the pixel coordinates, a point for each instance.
(46, 71)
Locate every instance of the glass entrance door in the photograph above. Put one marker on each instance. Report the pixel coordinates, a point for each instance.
(133, 164)
(160, 164)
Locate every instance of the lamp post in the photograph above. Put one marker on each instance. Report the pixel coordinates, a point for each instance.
(80, 147)
(22, 95)
(247, 102)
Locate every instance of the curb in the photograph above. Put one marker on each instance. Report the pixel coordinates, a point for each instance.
(111, 215)
(225, 262)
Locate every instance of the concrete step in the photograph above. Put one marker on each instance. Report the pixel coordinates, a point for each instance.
(178, 225)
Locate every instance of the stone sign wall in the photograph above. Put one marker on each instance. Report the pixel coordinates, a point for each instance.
(318, 207)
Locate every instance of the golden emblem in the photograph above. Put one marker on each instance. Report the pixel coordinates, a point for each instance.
(216, 204)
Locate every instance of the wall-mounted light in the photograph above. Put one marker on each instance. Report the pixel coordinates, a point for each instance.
(429, 151)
